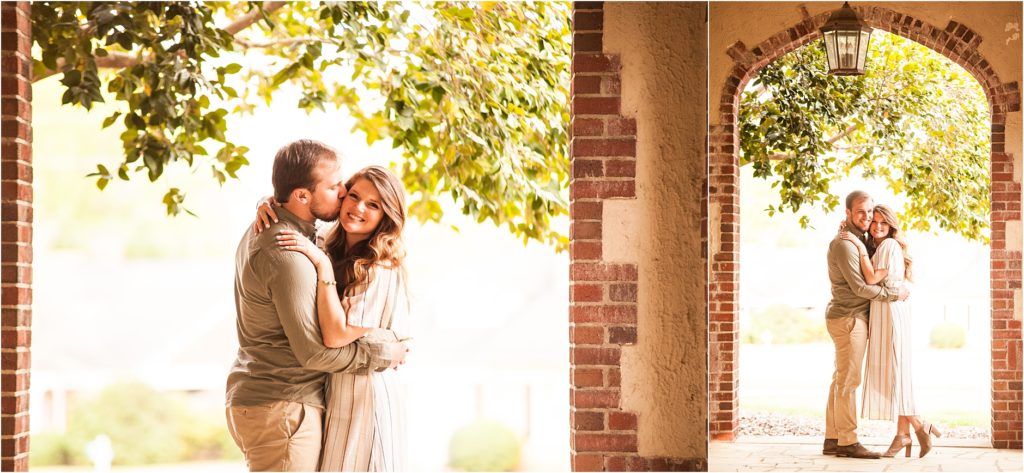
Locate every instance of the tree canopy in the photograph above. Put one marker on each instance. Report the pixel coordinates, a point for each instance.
(915, 119)
(474, 94)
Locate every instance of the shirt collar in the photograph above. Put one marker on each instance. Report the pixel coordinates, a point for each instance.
(853, 229)
(306, 228)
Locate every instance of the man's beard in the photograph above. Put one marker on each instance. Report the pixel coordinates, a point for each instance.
(329, 217)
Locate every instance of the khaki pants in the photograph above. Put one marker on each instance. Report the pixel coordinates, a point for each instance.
(850, 336)
(281, 436)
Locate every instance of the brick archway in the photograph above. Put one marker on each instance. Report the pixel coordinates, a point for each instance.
(957, 42)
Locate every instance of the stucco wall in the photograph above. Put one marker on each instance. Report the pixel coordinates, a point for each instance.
(663, 54)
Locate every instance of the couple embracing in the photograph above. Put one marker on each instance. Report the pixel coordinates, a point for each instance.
(868, 265)
(320, 326)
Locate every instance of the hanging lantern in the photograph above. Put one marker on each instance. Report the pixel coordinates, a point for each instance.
(846, 39)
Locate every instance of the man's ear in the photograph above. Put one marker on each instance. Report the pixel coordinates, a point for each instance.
(302, 195)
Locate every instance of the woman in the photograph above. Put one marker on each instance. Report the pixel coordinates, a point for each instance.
(363, 428)
(888, 389)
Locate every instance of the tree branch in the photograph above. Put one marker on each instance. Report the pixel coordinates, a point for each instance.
(842, 135)
(831, 141)
(113, 60)
(245, 43)
(253, 16)
(120, 60)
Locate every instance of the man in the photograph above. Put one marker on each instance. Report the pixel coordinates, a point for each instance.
(275, 399)
(846, 318)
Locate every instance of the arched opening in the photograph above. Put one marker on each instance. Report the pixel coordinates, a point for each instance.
(959, 44)
(908, 132)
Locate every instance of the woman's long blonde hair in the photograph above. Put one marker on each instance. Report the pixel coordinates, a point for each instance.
(896, 233)
(384, 246)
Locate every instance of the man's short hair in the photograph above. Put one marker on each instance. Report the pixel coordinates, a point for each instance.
(294, 166)
(854, 197)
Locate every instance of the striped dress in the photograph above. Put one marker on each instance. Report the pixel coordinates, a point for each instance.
(888, 384)
(364, 423)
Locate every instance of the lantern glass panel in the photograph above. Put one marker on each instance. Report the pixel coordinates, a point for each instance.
(830, 49)
(862, 53)
(847, 50)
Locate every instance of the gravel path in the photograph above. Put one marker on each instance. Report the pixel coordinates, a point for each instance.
(773, 424)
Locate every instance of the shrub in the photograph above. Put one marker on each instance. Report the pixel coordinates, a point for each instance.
(142, 424)
(49, 448)
(947, 335)
(145, 426)
(784, 324)
(484, 446)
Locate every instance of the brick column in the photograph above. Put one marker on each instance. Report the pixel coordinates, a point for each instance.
(602, 294)
(17, 231)
(1005, 267)
(723, 284)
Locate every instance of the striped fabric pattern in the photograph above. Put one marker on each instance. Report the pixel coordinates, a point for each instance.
(888, 384)
(364, 426)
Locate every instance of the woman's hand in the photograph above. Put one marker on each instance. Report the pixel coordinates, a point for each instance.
(293, 241)
(265, 213)
(856, 241)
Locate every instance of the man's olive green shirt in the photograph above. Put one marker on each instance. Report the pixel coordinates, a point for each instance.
(281, 355)
(851, 295)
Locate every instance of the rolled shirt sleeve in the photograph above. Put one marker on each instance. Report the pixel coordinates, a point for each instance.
(292, 283)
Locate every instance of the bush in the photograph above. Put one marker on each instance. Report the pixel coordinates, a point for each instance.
(484, 446)
(783, 324)
(145, 426)
(947, 335)
(49, 448)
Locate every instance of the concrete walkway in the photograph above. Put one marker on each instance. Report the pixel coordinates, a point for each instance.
(804, 454)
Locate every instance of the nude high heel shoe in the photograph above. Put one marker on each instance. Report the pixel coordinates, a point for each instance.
(898, 443)
(924, 437)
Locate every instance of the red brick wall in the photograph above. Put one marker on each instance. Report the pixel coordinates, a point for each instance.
(16, 198)
(955, 41)
(602, 295)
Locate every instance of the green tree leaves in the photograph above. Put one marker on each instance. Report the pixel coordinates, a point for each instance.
(474, 94)
(160, 49)
(915, 119)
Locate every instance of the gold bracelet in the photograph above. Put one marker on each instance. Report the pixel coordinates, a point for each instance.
(329, 283)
